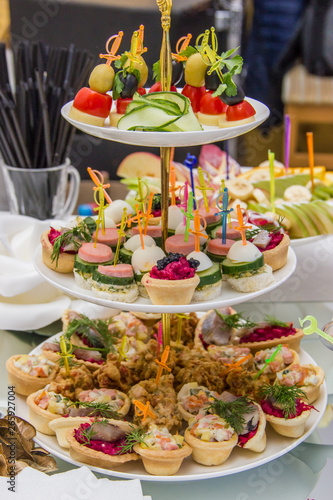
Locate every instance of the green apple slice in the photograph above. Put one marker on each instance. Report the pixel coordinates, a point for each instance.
(312, 213)
(298, 229)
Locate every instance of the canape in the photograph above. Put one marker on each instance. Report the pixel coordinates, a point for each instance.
(29, 373)
(284, 358)
(162, 453)
(211, 439)
(193, 398)
(45, 406)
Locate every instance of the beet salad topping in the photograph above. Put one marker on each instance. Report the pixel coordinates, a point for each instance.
(109, 448)
(174, 267)
(268, 408)
(276, 238)
(268, 332)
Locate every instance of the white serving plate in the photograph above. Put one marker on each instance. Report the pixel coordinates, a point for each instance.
(170, 139)
(229, 297)
(240, 460)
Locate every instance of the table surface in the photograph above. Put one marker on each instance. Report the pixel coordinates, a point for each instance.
(306, 471)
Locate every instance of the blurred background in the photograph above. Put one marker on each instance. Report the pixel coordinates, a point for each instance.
(278, 63)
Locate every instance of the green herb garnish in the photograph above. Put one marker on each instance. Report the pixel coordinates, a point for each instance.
(94, 330)
(283, 396)
(236, 320)
(102, 408)
(272, 321)
(189, 51)
(86, 434)
(135, 436)
(232, 412)
(76, 235)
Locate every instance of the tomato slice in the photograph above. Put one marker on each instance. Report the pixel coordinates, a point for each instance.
(122, 104)
(240, 111)
(194, 94)
(142, 91)
(212, 105)
(157, 88)
(93, 103)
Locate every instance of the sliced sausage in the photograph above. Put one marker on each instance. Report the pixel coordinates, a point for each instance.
(216, 246)
(117, 271)
(110, 236)
(232, 233)
(95, 255)
(176, 244)
(210, 216)
(153, 231)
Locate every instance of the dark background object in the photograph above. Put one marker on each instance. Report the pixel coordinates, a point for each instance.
(89, 26)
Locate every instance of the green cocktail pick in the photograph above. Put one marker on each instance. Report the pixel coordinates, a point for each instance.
(313, 328)
(269, 360)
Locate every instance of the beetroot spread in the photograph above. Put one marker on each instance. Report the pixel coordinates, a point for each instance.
(276, 238)
(276, 412)
(53, 235)
(114, 448)
(174, 267)
(268, 333)
(244, 438)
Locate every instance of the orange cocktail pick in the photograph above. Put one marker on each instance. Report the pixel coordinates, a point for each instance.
(173, 187)
(97, 178)
(181, 45)
(162, 364)
(237, 365)
(143, 410)
(100, 202)
(242, 227)
(197, 233)
(309, 138)
(111, 53)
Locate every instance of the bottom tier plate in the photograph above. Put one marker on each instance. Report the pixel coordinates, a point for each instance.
(240, 460)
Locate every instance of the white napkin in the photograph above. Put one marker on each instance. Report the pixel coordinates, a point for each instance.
(75, 484)
(27, 301)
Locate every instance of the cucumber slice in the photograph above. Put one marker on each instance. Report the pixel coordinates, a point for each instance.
(216, 258)
(88, 267)
(125, 255)
(213, 228)
(138, 276)
(210, 276)
(111, 280)
(182, 101)
(229, 267)
(148, 118)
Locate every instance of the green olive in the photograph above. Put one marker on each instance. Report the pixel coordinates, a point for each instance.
(195, 70)
(101, 78)
(142, 67)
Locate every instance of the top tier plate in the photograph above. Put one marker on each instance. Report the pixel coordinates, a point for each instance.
(170, 139)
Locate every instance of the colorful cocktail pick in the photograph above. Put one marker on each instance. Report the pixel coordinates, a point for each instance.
(271, 158)
(147, 214)
(190, 162)
(183, 193)
(121, 234)
(309, 139)
(143, 410)
(162, 364)
(173, 188)
(188, 214)
(236, 365)
(242, 227)
(123, 349)
(141, 198)
(226, 149)
(66, 350)
(111, 52)
(139, 216)
(180, 318)
(97, 178)
(203, 187)
(313, 328)
(224, 211)
(269, 360)
(197, 233)
(159, 337)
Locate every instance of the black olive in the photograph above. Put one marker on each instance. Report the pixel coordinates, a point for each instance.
(130, 85)
(212, 81)
(235, 99)
(177, 71)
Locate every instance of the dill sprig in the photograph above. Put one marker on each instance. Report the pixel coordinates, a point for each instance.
(232, 412)
(86, 434)
(270, 228)
(236, 320)
(273, 321)
(76, 235)
(102, 409)
(283, 396)
(94, 330)
(135, 436)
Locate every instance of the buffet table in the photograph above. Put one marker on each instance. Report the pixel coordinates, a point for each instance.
(305, 470)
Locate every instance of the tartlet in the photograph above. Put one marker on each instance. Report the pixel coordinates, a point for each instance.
(274, 366)
(257, 443)
(277, 256)
(89, 456)
(210, 452)
(291, 427)
(39, 417)
(311, 390)
(63, 264)
(61, 426)
(170, 292)
(201, 398)
(24, 383)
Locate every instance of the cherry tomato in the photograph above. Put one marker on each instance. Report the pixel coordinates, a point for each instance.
(157, 88)
(212, 105)
(240, 111)
(92, 102)
(142, 91)
(122, 104)
(194, 94)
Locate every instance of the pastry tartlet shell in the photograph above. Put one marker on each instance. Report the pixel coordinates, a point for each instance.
(291, 427)
(277, 256)
(170, 292)
(312, 392)
(207, 453)
(162, 463)
(24, 383)
(65, 262)
(258, 442)
(39, 417)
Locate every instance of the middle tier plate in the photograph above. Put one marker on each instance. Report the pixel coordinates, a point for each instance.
(170, 139)
(229, 297)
